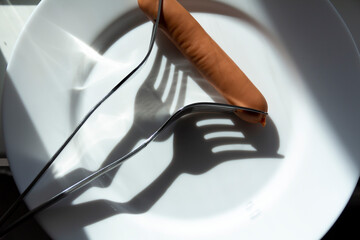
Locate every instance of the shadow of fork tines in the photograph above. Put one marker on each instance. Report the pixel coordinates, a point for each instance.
(193, 153)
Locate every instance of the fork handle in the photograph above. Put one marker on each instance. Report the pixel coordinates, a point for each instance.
(207, 56)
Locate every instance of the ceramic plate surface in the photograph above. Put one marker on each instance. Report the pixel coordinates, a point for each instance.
(209, 176)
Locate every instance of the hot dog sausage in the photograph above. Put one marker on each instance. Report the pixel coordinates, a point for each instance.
(207, 56)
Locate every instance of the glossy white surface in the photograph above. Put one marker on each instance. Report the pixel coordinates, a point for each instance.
(198, 181)
(12, 20)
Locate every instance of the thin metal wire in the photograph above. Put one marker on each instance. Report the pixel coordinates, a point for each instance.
(195, 107)
(16, 204)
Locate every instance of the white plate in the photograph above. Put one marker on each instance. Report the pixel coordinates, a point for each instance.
(209, 176)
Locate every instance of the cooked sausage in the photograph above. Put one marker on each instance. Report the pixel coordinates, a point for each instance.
(207, 56)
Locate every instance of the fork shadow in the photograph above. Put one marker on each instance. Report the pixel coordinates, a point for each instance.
(193, 154)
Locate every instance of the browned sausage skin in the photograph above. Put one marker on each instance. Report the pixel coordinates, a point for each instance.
(206, 55)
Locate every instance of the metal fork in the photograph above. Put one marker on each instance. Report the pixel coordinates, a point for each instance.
(192, 108)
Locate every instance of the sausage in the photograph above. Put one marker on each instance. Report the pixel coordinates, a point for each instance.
(208, 58)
